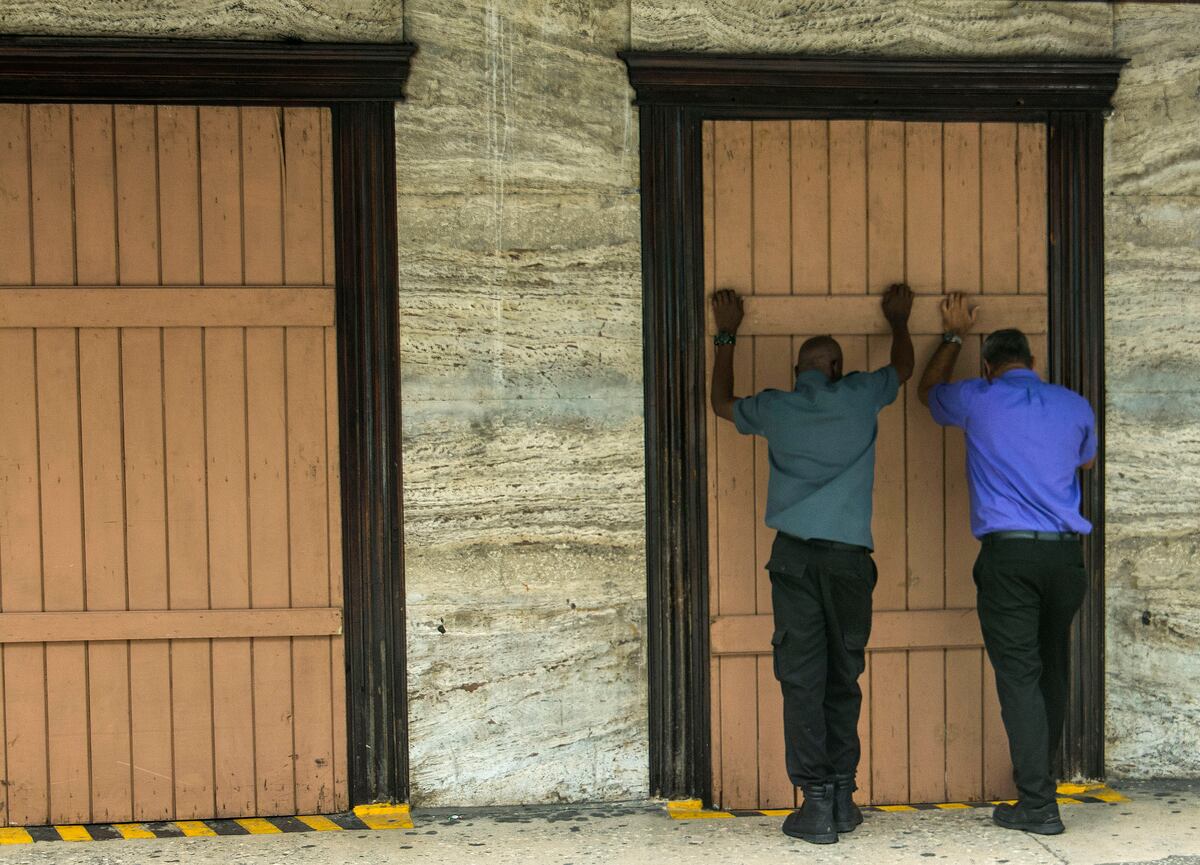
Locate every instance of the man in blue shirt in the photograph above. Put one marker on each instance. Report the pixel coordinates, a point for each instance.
(821, 443)
(1026, 441)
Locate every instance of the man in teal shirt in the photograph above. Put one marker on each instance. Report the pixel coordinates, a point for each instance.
(821, 442)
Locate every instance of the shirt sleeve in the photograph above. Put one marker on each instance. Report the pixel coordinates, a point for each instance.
(883, 384)
(750, 414)
(1087, 450)
(950, 403)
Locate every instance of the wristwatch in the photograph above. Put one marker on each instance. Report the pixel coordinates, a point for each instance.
(724, 337)
(951, 336)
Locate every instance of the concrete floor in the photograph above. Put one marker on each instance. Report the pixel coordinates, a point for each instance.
(1161, 824)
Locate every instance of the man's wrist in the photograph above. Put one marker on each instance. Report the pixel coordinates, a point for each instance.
(725, 337)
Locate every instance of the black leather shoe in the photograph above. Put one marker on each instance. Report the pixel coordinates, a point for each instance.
(846, 815)
(813, 821)
(1040, 821)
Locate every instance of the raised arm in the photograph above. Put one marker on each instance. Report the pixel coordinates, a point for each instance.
(727, 310)
(897, 305)
(957, 320)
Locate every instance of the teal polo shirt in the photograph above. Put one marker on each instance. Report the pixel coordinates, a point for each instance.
(821, 445)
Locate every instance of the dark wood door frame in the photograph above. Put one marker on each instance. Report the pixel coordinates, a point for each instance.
(675, 94)
(360, 83)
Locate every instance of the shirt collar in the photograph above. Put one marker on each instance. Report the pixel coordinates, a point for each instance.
(1022, 373)
(810, 378)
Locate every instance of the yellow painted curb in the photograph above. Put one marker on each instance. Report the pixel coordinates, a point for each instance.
(319, 823)
(73, 833)
(195, 829)
(15, 835)
(693, 809)
(133, 830)
(258, 826)
(384, 816)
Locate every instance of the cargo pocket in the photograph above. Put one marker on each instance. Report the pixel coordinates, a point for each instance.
(777, 647)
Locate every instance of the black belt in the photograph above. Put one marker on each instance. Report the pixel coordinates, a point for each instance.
(834, 545)
(1032, 536)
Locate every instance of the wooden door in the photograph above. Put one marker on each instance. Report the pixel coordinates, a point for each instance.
(170, 551)
(813, 220)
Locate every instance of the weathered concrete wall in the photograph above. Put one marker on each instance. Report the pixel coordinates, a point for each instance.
(1153, 313)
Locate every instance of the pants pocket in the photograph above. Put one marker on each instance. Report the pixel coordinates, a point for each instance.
(777, 639)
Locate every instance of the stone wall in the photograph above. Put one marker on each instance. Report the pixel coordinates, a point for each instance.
(521, 349)
(1152, 308)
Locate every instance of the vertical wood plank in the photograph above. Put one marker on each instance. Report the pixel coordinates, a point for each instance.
(137, 140)
(961, 229)
(707, 156)
(1041, 351)
(225, 438)
(848, 206)
(266, 411)
(925, 488)
(885, 204)
(733, 268)
(1033, 263)
(336, 647)
(810, 206)
(304, 227)
(774, 787)
(94, 194)
(307, 449)
(62, 568)
(187, 534)
(137, 194)
(865, 794)
(262, 194)
(923, 206)
(961, 546)
(889, 728)
(998, 207)
(15, 215)
(263, 162)
(59, 456)
(773, 365)
(146, 533)
(186, 494)
(50, 183)
(889, 515)
(964, 725)
(179, 193)
(997, 764)
(327, 257)
(733, 265)
(308, 519)
(772, 235)
(927, 725)
(27, 790)
(220, 195)
(739, 731)
(104, 561)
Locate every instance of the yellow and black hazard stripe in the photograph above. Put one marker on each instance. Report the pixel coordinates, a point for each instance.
(362, 817)
(1068, 794)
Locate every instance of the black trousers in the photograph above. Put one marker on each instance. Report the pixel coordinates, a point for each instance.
(1029, 591)
(822, 604)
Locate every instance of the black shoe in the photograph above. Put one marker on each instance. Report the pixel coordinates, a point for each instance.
(813, 821)
(846, 815)
(1040, 821)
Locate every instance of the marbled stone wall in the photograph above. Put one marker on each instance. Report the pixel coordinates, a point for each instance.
(310, 20)
(522, 376)
(1153, 312)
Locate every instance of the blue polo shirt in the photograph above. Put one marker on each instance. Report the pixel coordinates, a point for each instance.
(821, 447)
(1026, 440)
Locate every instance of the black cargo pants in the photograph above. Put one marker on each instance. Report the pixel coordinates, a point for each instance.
(1029, 591)
(822, 603)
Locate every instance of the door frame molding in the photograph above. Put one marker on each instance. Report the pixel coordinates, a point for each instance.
(360, 83)
(676, 92)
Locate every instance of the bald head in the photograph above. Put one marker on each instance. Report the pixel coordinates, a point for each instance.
(823, 354)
